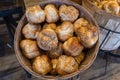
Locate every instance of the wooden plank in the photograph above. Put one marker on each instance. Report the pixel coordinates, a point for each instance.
(8, 62)
(16, 19)
(19, 74)
(29, 3)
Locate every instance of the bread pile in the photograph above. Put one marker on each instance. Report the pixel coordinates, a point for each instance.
(55, 39)
(110, 6)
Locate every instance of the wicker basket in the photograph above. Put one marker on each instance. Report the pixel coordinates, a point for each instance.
(91, 54)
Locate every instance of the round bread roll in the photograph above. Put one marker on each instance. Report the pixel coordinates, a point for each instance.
(35, 14)
(29, 48)
(47, 39)
(50, 26)
(72, 47)
(42, 65)
(65, 31)
(68, 13)
(80, 57)
(29, 30)
(57, 52)
(54, 63)
(80, 22)
(51, 13)
(112, 7)
(88, 35)
(66, 65)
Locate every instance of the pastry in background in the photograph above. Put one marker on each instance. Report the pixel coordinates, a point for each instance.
(112, 7)
(102, 3)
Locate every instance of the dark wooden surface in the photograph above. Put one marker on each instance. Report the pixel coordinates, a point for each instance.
(10, 68)
(9, 4)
